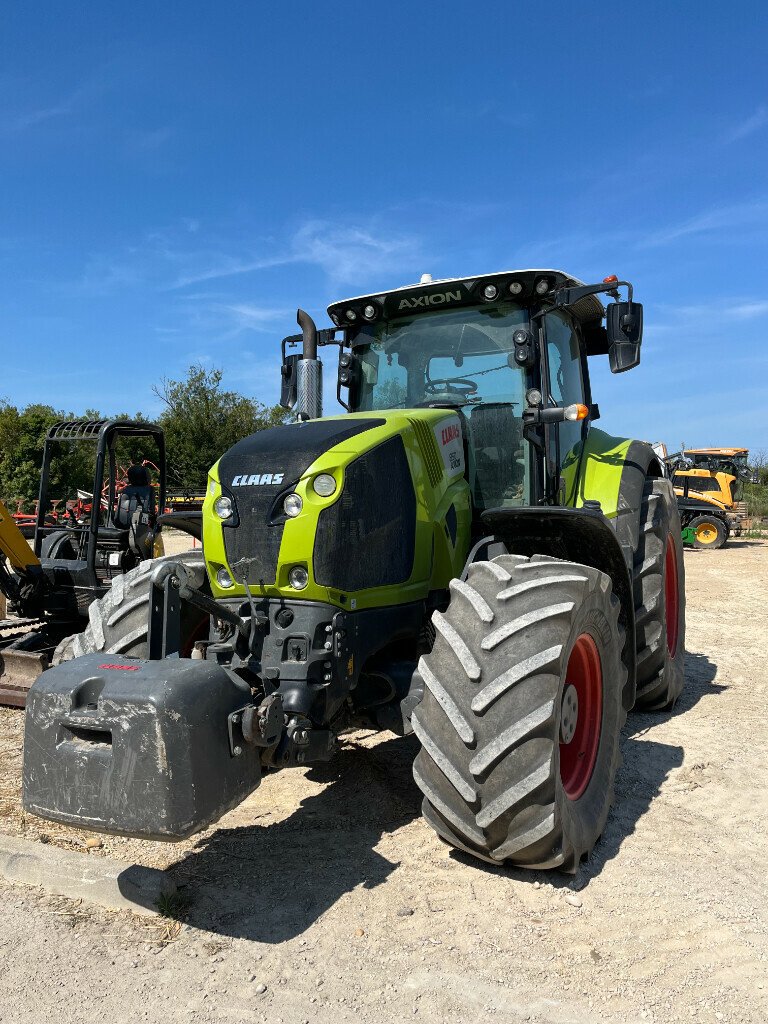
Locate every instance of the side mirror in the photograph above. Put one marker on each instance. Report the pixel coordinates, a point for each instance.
(288, 389)
(624, 326)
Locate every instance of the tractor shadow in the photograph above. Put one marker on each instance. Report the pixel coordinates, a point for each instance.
(269, 883)
(645, 767)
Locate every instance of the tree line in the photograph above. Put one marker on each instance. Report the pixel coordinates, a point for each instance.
(201, 420)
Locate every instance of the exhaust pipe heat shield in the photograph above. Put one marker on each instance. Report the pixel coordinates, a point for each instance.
(135, 748)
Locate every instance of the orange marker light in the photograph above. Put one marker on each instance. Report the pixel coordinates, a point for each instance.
(576, 412)
(611, 279)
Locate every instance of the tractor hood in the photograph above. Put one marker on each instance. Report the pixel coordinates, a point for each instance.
(355, 529)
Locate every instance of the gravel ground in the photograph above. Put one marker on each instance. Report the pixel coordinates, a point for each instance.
(324, 898)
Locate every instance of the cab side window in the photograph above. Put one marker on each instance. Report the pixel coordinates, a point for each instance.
(565, 381)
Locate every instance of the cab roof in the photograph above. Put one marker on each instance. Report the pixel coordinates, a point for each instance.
(717, 451)
(462, 291)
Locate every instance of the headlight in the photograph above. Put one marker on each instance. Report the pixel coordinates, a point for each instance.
(293, 505)
(298, 577)
(224, 580)
(223, 507)
(324, 485)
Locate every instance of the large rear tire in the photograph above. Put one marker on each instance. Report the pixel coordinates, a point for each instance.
(118, 622)
(522, 712)
(658, 579)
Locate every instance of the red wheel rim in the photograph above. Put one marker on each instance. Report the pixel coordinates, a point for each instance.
(671, 597)
(584, 677)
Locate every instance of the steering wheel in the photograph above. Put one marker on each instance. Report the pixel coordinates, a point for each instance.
(451, 385)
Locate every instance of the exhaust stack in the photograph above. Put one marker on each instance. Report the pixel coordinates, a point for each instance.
(309, 372)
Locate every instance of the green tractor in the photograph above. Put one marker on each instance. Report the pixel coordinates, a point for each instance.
(461, 555)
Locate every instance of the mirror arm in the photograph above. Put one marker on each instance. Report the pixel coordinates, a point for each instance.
(567, 296)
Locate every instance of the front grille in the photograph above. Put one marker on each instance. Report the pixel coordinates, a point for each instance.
(367, 538)
(278, 457)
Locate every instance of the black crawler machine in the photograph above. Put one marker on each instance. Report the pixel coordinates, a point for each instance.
(462, 555)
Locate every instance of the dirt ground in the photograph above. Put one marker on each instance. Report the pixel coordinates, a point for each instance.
(324, 898)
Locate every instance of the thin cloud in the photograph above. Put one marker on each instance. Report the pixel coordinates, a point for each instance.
(704, 320)
(749, 126)
(19, 118)
(345, 254)
(717, 219)
(750, 310)
(229, 266)
(253, 318)
(29, 119)
(147, 140)
(351, 253)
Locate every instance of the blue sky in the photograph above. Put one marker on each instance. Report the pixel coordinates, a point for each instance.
(176, 179)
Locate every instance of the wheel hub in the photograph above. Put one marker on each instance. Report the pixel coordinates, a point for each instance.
(569, 713)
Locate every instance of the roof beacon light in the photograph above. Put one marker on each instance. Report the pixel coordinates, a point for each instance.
(576, 412)
(611, 279)
(426, 279)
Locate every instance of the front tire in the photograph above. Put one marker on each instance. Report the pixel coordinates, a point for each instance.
(526, 647)
(118, 622)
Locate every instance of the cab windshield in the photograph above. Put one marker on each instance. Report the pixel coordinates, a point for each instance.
(457, 358)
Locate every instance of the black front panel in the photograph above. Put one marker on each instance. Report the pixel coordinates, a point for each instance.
(259, 471)
(367, 538)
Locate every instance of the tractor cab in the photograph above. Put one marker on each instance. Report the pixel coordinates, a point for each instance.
(734, 461)
(507, 352)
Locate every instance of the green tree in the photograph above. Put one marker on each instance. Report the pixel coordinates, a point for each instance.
(202, 420)
(22, 433)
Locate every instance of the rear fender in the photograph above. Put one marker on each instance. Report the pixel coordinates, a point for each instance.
(574, 535)
(613, 471)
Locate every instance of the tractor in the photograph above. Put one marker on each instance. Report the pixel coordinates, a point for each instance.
(461, 555)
